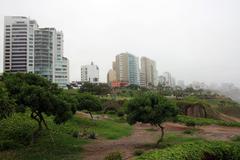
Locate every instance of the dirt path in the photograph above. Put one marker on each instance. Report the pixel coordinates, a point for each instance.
(98, 149)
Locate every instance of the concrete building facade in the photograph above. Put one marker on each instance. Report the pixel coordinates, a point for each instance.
(28, 48)
(127, 68)
(90, 73)
(149, 72)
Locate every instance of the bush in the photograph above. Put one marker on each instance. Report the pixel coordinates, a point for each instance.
(8, 145)
(200, 150)
(92, 135)
(113, 156)
(120, 114)
(75, 134)
(18, 128)
(236, 138)
(138, 152)
(190, 124)
(204, 121)
(189, 131)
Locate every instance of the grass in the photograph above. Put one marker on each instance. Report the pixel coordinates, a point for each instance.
(58, 143)
(205, 121)
(173, 138)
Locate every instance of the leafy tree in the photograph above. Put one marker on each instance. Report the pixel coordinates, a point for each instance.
(7, 105)
(88, 102)
(151, 108)
(38, 94)
(93, 88)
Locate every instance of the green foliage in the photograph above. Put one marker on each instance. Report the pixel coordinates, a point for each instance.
(57, 143)
(191, 124)
(150, 108)
(88, 102)
(114, 156)
(40, 95)
(8, 145)
(205, 121)
(199, 150)
(97, 89)
(138, 152)
(236, 138)
(190, 131)
(7, 104)
(17, 128)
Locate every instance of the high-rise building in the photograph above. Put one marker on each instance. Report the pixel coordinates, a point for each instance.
(149, 71)
(111, 76)
(19, 44)
(44, 52)
(90, 73)
(127, 68)
(61, 63)
(28, 48)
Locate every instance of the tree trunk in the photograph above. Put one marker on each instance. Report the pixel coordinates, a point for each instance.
(162, 134)
(91, 114)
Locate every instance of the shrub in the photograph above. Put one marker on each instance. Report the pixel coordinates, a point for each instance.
(190, 131)
(18, 128)
(200, 150)
(75, 134)
(120, 113)
(113, 156)
(190, 124)
(8, 144)
(138, 152)
(92, 135)
(236, 138)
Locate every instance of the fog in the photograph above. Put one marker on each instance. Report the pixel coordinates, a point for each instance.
(195, 40)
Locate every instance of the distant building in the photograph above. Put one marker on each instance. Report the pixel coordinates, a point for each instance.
(161, 80)
(149, 72)
(167, 80)
(181, 84)
(90, 73)
(143, 80)
(28, 48)
(119, 84)
(127, 68)
(111, 76)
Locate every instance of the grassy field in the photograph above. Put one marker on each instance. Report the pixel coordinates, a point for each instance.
(58, 143)
(205, 121)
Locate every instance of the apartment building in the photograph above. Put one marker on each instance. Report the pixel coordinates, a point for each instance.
(90, 73)
(28, 48)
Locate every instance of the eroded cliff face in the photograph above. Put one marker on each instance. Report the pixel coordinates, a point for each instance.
(196, 111)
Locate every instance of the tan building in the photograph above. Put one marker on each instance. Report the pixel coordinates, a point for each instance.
(148, 72)
(126, 67)
(111, 76)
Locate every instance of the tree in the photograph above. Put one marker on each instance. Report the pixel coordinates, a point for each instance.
(38, 94)
(7, 105)
(98, 89)
(151, 108)
(88, 102)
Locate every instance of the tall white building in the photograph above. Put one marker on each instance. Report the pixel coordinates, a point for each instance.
(90, 73)
(19, 44)
(28, 48)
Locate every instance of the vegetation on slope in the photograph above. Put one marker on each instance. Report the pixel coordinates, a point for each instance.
(56, 143)
(200, 150)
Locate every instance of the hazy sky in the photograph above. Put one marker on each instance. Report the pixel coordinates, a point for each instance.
(192, 39)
